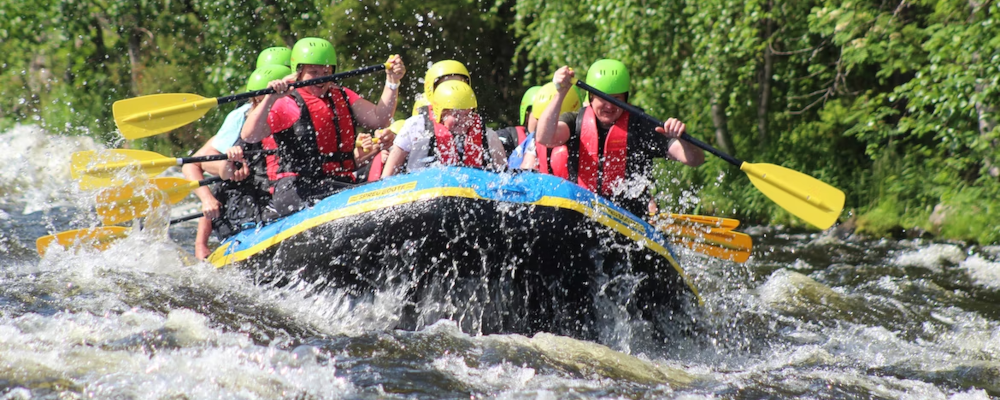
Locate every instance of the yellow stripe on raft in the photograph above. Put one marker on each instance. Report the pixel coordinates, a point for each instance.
(609, 219)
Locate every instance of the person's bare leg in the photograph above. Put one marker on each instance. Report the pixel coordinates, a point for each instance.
(201, 250)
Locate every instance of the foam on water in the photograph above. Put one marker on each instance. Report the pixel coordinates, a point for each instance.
(35, 172)
(932, 257)
(145, 320)
(984, 272)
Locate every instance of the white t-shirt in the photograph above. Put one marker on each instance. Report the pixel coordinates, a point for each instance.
(415, 139)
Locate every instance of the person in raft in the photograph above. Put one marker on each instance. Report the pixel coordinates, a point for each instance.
(452, 135)
(610, 152)
(438, 73)
(538, 157)
(315, 127)
(386, 137)
(272, 63)
(518, 135)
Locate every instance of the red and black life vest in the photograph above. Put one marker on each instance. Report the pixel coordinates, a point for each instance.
(443, 144)
(304, 152)
(584, 165)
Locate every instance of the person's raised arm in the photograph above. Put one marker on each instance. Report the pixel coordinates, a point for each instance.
(681, 150)
(255, 128)
(550, 131)
(377, 116)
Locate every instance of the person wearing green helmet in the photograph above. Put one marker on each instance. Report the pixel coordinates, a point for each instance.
(513, 137)
(610, 153)
(275, 56)
(315, 127)
(536, 156)
(225, 207)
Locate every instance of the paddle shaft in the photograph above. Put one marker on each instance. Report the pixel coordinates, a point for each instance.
(639, 113)
(219, 157)
(317, 81)
(186, 218)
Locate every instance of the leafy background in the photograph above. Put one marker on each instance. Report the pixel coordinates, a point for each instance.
(892, 101)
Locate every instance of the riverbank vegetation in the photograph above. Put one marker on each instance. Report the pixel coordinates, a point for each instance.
(894, 102)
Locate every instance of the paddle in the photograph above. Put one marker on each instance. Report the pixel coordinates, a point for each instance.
(95, 169)
(123, 203)
(101, 237)
(701, 220)
(815, 201)
(715, 242)
(154, 114)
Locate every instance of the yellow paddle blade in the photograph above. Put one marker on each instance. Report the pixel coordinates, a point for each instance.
(722, 253)
(145, 116)
(98, 238)
(806, 197)
(124, 203)
(97, 169)
(715, 242)
(702, 220)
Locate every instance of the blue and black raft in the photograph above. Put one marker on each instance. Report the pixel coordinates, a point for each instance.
(498, 253)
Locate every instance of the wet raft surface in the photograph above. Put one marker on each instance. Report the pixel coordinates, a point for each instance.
(492, 266)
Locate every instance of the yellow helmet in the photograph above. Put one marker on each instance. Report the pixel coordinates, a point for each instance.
(443, 68)
(397, 126)
(452, 95)
(545, 96)
(420, 102)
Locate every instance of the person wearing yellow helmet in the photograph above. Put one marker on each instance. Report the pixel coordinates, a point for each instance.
(453, 135)
(438, 73)
(227, 219)
(610, 153)
(315, 127)
(443, 71)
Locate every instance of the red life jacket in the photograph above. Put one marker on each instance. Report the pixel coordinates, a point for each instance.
(473, 146)
(615, 154)
(557, 158)
(303, 151)
(375, 172)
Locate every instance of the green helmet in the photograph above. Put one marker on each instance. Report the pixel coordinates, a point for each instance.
(526, 100)
(313, 51)
(263, 75)
(609, 76)
(274, 56)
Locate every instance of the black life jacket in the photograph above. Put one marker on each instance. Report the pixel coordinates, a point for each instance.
(243, 202)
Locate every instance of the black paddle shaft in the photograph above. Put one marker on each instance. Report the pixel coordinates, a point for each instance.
(220, 157)
(317, 81)
(185, 218)
(639, 113)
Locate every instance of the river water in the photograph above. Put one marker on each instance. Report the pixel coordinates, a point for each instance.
(810, 315)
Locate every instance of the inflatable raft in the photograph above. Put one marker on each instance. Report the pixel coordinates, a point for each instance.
(499, 253)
